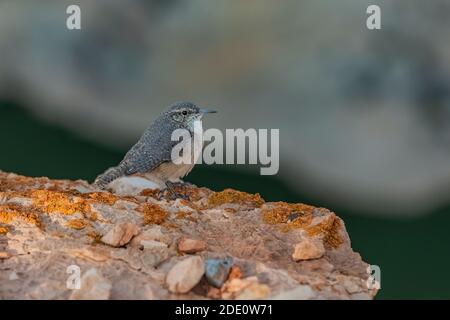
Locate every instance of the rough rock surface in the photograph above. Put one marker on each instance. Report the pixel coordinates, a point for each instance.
(125, 245)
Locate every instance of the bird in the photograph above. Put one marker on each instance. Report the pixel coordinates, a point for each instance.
(151, 155)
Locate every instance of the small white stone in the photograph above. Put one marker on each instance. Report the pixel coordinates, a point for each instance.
(153, 233)
(120, 234)
(308, 249)
(254, 291)
(185, 274)
(152, 244)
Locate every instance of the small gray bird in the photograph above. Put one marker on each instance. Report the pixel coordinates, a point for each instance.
(151, 155)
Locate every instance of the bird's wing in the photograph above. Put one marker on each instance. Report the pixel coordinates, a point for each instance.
(147, 154)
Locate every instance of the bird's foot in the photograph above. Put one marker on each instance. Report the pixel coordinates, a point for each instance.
(182, 184)
(173, 194)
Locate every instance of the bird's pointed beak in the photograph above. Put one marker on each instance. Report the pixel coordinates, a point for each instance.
(204, 111)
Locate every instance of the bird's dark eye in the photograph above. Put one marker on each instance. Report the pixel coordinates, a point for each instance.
(184, 112)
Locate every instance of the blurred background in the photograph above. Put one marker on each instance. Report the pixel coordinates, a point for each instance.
(364, 115)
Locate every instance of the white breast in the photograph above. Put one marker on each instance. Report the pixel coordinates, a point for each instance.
(192, 148)
(198, 140)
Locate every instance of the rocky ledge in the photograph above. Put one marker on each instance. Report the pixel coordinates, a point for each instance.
(62, 239)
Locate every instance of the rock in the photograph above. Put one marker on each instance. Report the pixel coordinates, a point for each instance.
(185, 274)
(191, 245)
(152, 244)
(154, 255)
(132, 185)
(214, 293)
(217, 271)
(153, 232)
(131, 242)
(93, 287)
(352, 285)
(301, 292)
(120, 234)
(254, 291)
(308, 249)
(360, 296)
(234, 287)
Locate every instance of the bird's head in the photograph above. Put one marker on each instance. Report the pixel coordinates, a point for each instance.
(186, 112)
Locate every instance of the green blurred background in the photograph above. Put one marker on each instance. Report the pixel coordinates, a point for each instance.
(412, 253)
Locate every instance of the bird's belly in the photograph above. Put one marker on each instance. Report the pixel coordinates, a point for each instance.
(168, 171)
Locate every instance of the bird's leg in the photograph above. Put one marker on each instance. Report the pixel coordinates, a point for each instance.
(173, 194)
(183, 184)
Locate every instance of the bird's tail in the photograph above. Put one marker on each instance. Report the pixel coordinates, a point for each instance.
(108, 176)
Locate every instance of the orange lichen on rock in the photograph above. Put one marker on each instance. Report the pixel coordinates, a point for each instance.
(13, 182)
(149, 193)
(11, 212)
(234, 196)
(153, 214)
(192, 219)
(292, 215)
(3, 230)
(183, 214)
(91, 215)
(77, 224)
(103, 197)
(170, 225)
(329, 229)
(58, 202)
(235, 273)
(64, 202)
(4, 255)
(193, 193)
(96, 237)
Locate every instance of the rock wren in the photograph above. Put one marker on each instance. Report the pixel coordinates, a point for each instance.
(151, 155)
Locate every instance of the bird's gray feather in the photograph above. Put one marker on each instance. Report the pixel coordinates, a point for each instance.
(153, 148)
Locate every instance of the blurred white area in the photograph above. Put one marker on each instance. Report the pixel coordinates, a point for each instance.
(364, 116)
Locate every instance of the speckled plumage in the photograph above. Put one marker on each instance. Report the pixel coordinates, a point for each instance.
(154, 147)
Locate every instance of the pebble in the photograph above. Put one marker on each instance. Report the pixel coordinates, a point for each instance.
(153, 257)
(152, 244)
(153, 233)
(185, 274)
(254, 291)
(120, 234)
(308, 249)
(217, 271)
(236, 286)
(191, 245)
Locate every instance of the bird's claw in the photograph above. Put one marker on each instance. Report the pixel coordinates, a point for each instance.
(182, 184)
(177, 195)
(173, 195)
